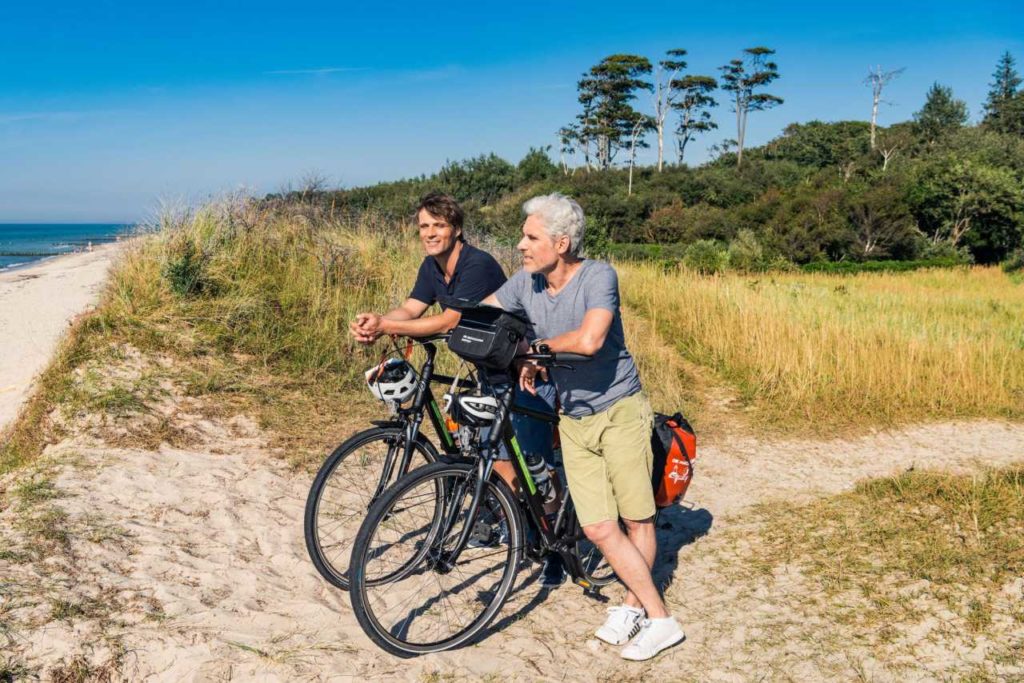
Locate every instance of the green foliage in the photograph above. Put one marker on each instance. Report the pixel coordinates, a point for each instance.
(693, 106)
(184, 265)
(605, 93)
(706, 257)
(744, 78)
(1014, 263)
(746, 254)
(821, 144)
(647, 252)
(596, 243)
(941, 114)
(536, 165)
(850, 267)
(1004, 107)
(969, 203)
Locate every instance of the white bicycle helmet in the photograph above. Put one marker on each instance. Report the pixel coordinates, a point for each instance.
(392, 380)
(471, 410)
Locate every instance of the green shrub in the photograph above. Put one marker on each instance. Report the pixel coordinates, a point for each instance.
(707, 257)
(1015, 262)
(849, 267)
(596, 242)
(746, 254)
(184, 266)
(647, 252)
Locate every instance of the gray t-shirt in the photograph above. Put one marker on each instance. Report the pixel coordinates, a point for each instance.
(611, 375)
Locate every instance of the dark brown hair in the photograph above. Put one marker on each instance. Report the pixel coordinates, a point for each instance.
(443, 206)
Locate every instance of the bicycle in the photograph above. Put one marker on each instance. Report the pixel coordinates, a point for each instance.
(355, 474)
(417, 583)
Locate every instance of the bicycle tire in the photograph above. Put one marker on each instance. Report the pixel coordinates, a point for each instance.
(331, 559)
(397, 638)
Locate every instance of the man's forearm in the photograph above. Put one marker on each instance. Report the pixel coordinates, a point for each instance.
(423, 327)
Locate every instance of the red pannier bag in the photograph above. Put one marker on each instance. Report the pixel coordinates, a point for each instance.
(675, 447)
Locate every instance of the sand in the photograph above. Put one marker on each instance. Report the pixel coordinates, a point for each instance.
(199, 553)
(36, 305)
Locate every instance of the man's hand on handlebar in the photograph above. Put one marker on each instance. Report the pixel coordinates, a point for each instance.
(528, 372)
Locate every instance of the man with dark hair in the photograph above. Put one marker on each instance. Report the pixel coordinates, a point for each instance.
(452, 269)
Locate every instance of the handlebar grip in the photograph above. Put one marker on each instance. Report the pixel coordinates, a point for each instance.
(571, 358)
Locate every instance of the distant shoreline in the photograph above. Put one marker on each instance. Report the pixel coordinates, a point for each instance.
(23, 244)
(37, 300)
(50, 258)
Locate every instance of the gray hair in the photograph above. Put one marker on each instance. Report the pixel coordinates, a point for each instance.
(561, 216)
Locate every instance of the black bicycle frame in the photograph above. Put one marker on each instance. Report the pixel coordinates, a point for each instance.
(412, 418)
(554, 537)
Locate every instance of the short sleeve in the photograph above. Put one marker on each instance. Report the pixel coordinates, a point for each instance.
(478, 280)
(510, 294)
(602, 288)
(423, 290)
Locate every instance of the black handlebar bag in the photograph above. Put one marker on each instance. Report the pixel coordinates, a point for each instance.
(486, 335)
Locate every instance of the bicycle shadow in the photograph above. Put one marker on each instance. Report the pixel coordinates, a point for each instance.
(676, 527)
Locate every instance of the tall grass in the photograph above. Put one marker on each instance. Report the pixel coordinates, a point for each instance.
(826, 351)
(277, 282)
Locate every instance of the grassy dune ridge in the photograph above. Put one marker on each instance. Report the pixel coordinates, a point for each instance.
(254, 298)
(826, 351)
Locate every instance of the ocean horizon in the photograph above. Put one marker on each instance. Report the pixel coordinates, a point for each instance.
(25, 243)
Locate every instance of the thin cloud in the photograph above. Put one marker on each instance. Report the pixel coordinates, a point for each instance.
(314, 72)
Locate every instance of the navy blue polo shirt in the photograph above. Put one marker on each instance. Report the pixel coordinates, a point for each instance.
(477, 275)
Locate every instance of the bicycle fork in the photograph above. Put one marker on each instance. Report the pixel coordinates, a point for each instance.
(445, 561)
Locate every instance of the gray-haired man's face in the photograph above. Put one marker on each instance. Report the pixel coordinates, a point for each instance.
(540, 251)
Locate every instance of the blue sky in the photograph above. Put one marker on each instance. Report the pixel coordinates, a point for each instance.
(107, 108)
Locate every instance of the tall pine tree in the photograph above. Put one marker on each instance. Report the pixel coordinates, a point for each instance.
(606, 92)
(1004, 108)
(743, 78)
(941, 113)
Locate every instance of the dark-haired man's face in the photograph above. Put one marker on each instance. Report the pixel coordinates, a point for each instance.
(436, 233)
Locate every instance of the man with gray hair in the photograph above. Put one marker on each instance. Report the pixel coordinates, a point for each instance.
(573, 304)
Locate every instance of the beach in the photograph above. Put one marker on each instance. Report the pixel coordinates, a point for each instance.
(37, 303)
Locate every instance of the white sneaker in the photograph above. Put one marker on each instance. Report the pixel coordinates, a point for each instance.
(622, 624)
(655, 635)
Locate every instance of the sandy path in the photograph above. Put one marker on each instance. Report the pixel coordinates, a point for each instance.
(36, 304)
(214, 583)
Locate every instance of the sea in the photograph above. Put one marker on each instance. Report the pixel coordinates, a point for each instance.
(24, 243)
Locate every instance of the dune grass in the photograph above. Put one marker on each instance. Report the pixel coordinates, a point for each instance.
(823, 352)
(254, 299)
(891, 541)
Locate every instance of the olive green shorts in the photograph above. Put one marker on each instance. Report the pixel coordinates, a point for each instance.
(608, 459)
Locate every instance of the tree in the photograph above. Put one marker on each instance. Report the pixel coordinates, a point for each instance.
(742, 77)
(536, 165)
(693, 105)
(963, 202)
(1003, 108)
(878, 79)
(605, 92)
(642, 124)
(665, 95)
(941, 113)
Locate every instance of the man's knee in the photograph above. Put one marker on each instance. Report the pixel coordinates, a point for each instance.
(601, 531)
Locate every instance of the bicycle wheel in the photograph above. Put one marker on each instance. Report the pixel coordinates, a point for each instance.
(342, 493)
(595, 567)
(428, 605)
